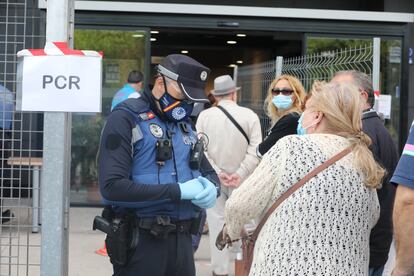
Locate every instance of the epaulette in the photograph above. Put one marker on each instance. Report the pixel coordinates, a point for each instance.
(135, 105)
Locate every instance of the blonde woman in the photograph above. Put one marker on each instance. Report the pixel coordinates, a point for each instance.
(283, 105)
(324, 227)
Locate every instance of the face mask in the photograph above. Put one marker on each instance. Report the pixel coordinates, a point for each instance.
(300, 130)
(175, 110)
(282, 102)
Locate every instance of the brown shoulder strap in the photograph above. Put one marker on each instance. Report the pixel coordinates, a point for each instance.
(299, 184)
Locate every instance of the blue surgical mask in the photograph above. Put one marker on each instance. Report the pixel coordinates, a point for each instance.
(282, 102)
(301, 130)
(175, 110)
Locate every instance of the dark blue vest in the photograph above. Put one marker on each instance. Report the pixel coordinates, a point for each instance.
(145, 170)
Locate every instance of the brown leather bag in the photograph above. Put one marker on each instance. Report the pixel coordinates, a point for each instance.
(243, 266)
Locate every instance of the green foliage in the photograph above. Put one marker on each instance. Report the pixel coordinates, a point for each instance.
(321, 44)
(124, 49)
(114, 44)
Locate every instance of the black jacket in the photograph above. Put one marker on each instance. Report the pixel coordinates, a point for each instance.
(286, 125)
(385, 152)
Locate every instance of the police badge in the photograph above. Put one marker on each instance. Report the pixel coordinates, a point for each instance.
(156, 130)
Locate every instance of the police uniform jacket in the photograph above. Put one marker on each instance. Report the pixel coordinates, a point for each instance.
(129, 176)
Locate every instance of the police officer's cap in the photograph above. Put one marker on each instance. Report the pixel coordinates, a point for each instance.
(190, 75)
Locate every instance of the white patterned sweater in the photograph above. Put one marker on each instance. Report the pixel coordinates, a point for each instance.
(324, 227)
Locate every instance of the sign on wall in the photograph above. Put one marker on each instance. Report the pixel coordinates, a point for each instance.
(384, 105)
(59, 79)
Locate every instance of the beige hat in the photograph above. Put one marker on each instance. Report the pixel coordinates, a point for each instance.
(224, 85)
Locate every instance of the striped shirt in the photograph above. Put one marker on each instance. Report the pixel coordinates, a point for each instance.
(404, 173)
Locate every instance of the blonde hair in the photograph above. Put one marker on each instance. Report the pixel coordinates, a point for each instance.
(341, 105)
(317, 85)
(272, 111)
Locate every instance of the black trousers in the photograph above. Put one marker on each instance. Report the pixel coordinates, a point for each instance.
(172, 256)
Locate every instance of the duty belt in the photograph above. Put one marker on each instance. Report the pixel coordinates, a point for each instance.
(161, 226)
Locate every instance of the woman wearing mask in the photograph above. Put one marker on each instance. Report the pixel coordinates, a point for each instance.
(283, 105)
(323, 228)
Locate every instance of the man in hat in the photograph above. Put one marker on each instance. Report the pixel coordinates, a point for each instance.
(130, 90)
(233, 133)
(146, 177)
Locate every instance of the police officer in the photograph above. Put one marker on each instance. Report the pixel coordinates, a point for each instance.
(144, 166)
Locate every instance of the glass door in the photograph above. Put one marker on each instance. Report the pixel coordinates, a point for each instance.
(123, 51)
(390, 66)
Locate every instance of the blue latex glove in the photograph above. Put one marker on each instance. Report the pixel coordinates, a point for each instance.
(207, 198)
(190, 189)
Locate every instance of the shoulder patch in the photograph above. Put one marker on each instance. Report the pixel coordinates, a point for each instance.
(145, 116)
(156, 130)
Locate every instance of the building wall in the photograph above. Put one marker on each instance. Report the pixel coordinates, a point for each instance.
(359, 5)
(399, 6)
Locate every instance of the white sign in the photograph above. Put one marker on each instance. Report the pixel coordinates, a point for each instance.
(395, 54)
(384, 105)
(65, 83)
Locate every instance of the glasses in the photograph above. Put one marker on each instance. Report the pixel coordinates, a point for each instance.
(283, 91)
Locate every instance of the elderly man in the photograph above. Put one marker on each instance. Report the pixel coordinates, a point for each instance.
(385, 152)
(233, 133)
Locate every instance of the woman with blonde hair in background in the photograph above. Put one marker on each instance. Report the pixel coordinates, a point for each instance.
(283, 105)
(323, 228)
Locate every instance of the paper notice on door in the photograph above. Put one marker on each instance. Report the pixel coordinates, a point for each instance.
(384, 106)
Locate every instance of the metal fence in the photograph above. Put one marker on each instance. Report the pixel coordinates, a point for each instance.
(256, 79)
(322, 66)
(21, 137)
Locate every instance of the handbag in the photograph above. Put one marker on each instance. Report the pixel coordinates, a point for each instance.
(243, 266)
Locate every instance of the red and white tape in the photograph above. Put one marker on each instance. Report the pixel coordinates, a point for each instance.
(57, 49)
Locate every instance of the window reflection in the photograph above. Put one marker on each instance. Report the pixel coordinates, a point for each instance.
(123, 51)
